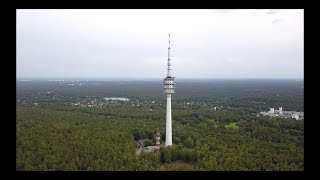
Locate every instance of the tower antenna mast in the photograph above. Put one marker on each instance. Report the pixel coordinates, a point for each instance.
(169, 60)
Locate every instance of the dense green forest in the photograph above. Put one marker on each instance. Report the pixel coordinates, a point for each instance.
(56, 135)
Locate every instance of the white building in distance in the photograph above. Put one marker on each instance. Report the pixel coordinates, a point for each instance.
(271, 111)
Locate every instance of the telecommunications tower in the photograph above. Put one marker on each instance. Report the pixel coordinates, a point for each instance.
(168, 82)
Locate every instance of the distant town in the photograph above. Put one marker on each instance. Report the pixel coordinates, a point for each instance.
(283, 114)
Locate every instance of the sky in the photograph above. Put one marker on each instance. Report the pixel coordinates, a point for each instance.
(207, 43)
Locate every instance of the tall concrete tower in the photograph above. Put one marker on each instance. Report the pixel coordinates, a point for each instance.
(168, 82)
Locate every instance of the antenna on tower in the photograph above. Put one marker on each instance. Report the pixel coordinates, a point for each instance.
(169, 64)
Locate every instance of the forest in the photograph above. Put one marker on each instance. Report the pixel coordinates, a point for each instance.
(54, 134)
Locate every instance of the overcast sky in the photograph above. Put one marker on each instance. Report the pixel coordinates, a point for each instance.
(133, 43)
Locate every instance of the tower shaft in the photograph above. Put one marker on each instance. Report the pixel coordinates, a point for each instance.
(168, 122)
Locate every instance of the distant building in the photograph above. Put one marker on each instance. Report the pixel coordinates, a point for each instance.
(295, 116)
(280, 110)
(158, 138)
(271, 110)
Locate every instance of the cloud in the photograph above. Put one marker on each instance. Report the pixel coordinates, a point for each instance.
(275, 21)
(133, 43)
(256, 13)
(272, 11)
(232, 60)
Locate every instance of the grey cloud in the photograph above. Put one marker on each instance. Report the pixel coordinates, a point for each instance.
(218, 44)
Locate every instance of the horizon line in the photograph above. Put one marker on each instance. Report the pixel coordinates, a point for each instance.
(18, 78)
